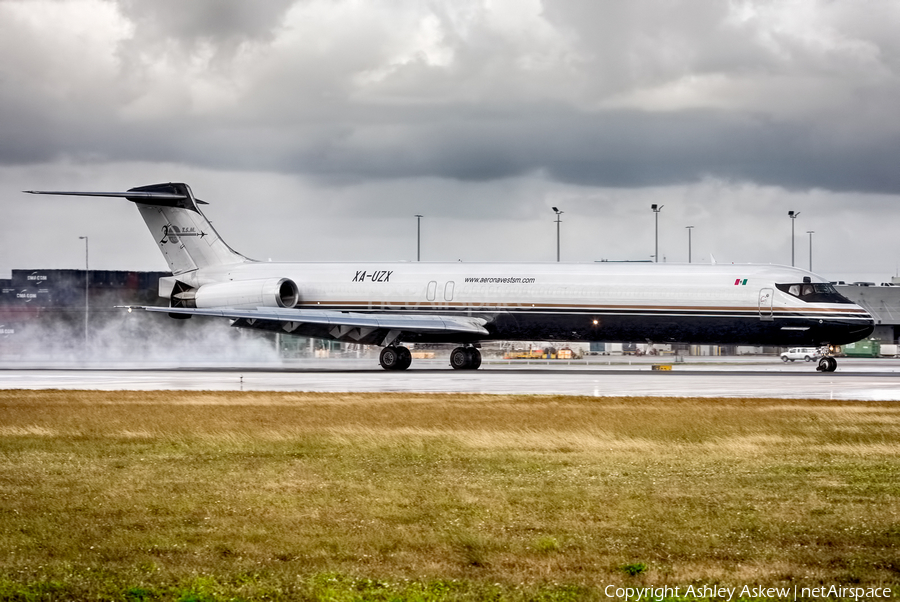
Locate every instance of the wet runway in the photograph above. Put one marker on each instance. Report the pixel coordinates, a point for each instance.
(875, 379)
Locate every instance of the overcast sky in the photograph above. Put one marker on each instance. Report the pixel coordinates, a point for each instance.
(317, 129)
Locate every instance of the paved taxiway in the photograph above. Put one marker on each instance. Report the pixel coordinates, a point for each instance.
(877, 379)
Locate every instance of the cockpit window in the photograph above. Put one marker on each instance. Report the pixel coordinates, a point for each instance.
(814, 292)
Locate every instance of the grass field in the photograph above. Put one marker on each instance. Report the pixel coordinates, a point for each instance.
(220, 496)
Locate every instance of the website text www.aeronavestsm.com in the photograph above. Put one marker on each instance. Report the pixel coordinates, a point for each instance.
(500, 280)
(727, 594)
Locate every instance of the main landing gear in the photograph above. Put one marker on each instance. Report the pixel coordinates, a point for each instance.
(395, 358)
(465, 358)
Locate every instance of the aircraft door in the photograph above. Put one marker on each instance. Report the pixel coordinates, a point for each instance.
(766, 300)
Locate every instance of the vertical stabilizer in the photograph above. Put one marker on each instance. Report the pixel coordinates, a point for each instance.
(183, 234)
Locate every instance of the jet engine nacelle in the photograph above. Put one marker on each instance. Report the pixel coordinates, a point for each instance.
(271, 292)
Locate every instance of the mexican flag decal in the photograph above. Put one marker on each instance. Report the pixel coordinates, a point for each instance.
(740, 282)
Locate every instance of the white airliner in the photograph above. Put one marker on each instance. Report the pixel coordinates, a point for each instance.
(388, 304)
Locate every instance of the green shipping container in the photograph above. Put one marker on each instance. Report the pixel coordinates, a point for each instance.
(866, 348)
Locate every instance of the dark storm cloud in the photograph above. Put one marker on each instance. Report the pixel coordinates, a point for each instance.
(604, 94)
(613, 148)
(616, 148)
(221, 22)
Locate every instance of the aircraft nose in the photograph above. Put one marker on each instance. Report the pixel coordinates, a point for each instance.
(846, 331)
(868, 329)
(863, 331)
(859, 330)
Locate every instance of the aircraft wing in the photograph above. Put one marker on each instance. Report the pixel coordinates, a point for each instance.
(380, 329)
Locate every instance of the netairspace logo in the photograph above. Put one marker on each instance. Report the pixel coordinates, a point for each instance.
(727, 594)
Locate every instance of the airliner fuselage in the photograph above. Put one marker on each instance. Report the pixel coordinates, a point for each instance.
(688, 303)
(387, 304)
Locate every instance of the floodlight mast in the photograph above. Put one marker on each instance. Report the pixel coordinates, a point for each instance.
(419, 237)
(656, 209)
(793, 215)
(558, 220)
(810, 232)
(689, 228)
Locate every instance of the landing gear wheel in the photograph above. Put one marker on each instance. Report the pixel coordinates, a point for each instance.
(474, 358)
(827, 364)
(395, 358)
(465, 358)
(459, 358)
(405, 358)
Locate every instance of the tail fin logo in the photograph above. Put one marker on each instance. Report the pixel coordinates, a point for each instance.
(172, 233)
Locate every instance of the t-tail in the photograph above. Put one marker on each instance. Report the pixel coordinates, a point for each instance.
(185, 237)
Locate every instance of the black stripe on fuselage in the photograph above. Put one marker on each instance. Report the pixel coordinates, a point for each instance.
(714, 326)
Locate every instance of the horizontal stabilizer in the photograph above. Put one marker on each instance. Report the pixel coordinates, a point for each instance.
(125, 195)
(167, 195)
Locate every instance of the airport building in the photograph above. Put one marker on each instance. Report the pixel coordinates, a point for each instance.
(883, 302)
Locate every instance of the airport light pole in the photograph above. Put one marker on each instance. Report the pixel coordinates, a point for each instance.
(86, 287)
(689, 228)
(419, 237)
(656, 209)
(793, 215)
(810, 232)
(558, 220)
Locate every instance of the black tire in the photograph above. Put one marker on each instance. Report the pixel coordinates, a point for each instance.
(807, 359)
(389, 358)
(827, 364)
(405, 358)
(460, 358)
(784, 358)
(474, 358)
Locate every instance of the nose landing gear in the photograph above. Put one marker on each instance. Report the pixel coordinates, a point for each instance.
(827, 364)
